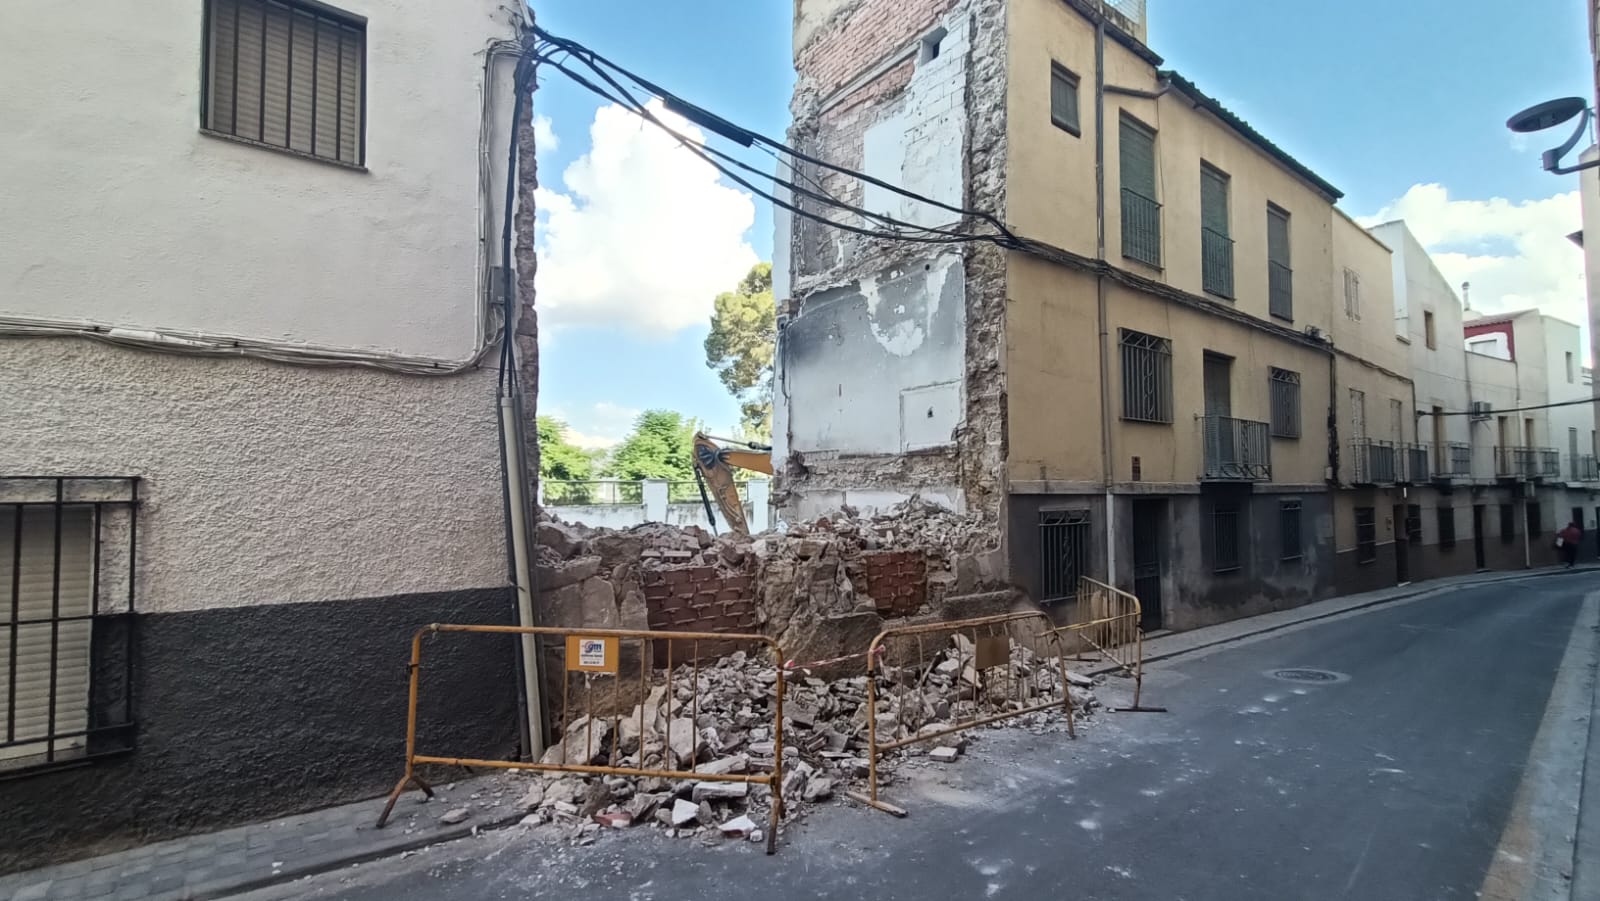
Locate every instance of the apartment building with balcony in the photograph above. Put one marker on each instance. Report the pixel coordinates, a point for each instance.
(1156, 387)
(250, 427)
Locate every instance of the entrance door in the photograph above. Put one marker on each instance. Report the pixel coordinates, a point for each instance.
(1477, 537)
(1219, 385)
(1402, 545)
(1148, 535)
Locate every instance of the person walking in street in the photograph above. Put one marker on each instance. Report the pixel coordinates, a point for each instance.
(1570, 538)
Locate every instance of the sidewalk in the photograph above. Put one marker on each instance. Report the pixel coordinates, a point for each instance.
(221, 864)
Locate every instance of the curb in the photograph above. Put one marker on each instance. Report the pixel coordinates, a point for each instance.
(1420, 590)
(228, 888)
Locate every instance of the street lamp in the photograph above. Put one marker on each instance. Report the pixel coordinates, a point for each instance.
(1548, 115)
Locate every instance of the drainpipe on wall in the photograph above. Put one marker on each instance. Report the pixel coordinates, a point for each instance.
(1100, 292)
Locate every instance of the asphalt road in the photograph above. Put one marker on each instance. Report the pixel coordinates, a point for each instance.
(1443, 762)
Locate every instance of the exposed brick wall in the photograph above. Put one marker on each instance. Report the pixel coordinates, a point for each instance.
(699, 599)
(850, 45)
(897, 581)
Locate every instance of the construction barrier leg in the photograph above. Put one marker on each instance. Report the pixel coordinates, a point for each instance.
(399, 790)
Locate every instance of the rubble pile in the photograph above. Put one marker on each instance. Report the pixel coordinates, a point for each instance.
(728, 729)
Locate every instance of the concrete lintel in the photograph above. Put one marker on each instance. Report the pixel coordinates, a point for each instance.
(1056, 486)
(1291, 487)
(1155, 487)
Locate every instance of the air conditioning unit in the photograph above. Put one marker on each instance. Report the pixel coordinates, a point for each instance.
(1481, 410)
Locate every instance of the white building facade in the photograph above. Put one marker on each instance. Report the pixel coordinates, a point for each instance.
(249, 401)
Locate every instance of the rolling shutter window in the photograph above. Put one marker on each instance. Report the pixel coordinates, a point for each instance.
(286, 75)
(36, 581)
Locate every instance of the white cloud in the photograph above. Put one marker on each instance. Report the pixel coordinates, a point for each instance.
(599, 426)
(1516, 255)
(645, 236)
(544, 136)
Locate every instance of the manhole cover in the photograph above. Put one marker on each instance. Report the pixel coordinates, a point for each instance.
(1307, 675)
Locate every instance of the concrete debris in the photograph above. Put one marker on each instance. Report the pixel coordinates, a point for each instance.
(725, 728)
(452, 817)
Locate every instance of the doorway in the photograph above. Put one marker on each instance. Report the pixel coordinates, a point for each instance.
(1402, 544)
(1149, 518)
(1478, 557)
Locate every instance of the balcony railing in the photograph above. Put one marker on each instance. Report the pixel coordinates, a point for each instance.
(1141, 227)
(1455, 461)
(1236, 450)
(1216, 262)
(1585, 468)
(1372, 462)
(1280, 290)
(1414, 463)
(1527, 463)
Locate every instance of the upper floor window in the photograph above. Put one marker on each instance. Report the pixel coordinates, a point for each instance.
(1352, 293)
(1216, 247)
(1284, 386)
(1427, 330)
(1280, 277)
(1141, 214)
(1064, 98)
(286, 74)
(1146, 377)
(1569, 367)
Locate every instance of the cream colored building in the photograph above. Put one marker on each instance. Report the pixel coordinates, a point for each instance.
(1186, 380)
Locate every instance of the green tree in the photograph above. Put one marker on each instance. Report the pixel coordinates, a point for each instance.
(744, 335)
(561, 461)
(660, 446)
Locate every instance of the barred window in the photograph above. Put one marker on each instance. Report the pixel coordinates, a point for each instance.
(1063, 552)
(286, 74)
(1146, 377)
(1447, 527)
(1290, 546)
(1535, 520)
(1285, 387)
(1366, 535)
(1216, 246)
(1414, 524)
(1508, 524)
(1226, 537)
(1064, 98)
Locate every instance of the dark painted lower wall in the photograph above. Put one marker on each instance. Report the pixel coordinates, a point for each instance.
(254, 712)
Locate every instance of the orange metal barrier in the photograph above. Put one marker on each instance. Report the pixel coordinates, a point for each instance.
(597, 656)
(1105, 622)
(898, 664)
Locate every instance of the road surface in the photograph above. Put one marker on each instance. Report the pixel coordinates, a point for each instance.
(1442, 759)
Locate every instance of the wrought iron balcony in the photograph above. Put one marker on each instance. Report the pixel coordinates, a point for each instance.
(1280, 290)
(1585, 468)
(1372, 462)
(1413, 468)
(1236, 450)
(1453, 461)
(1141, 227)
(1527, 463)
(1216, 262)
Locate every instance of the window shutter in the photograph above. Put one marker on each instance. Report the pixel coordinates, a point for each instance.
(1213, 200)
(36, 581)
(1277, 236)
(350, 80)
(279, 73)
(220, 59)
(303, 84)
(1137, 153)
(247, 98)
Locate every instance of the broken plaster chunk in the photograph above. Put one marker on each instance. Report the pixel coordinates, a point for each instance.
(618, 820)
(684, 813)
(818, 789)
(738, 763)
(452, 817)
(739, 826)
(944, 754)
(719, 791)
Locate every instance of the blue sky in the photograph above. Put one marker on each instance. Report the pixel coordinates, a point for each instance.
(1401, 105)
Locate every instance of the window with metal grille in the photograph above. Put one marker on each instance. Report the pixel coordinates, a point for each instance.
(1141, 214)
(1216, 246)
(1535, 520)
(1285, 389)
(1280, 277)
(1447, 527)
(1366, 535)
(66, 629)
(1146, 377)
(287, 75)
(1352, 294)
(1063, 552)
(1414, 524)
(1289, 544)
(1227, 540)
(1508, 523)
(1064, 98)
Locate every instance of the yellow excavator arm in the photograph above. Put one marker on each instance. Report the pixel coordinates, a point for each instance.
(713, 469)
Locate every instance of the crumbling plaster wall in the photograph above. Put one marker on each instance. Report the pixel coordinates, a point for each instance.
(865, 417)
